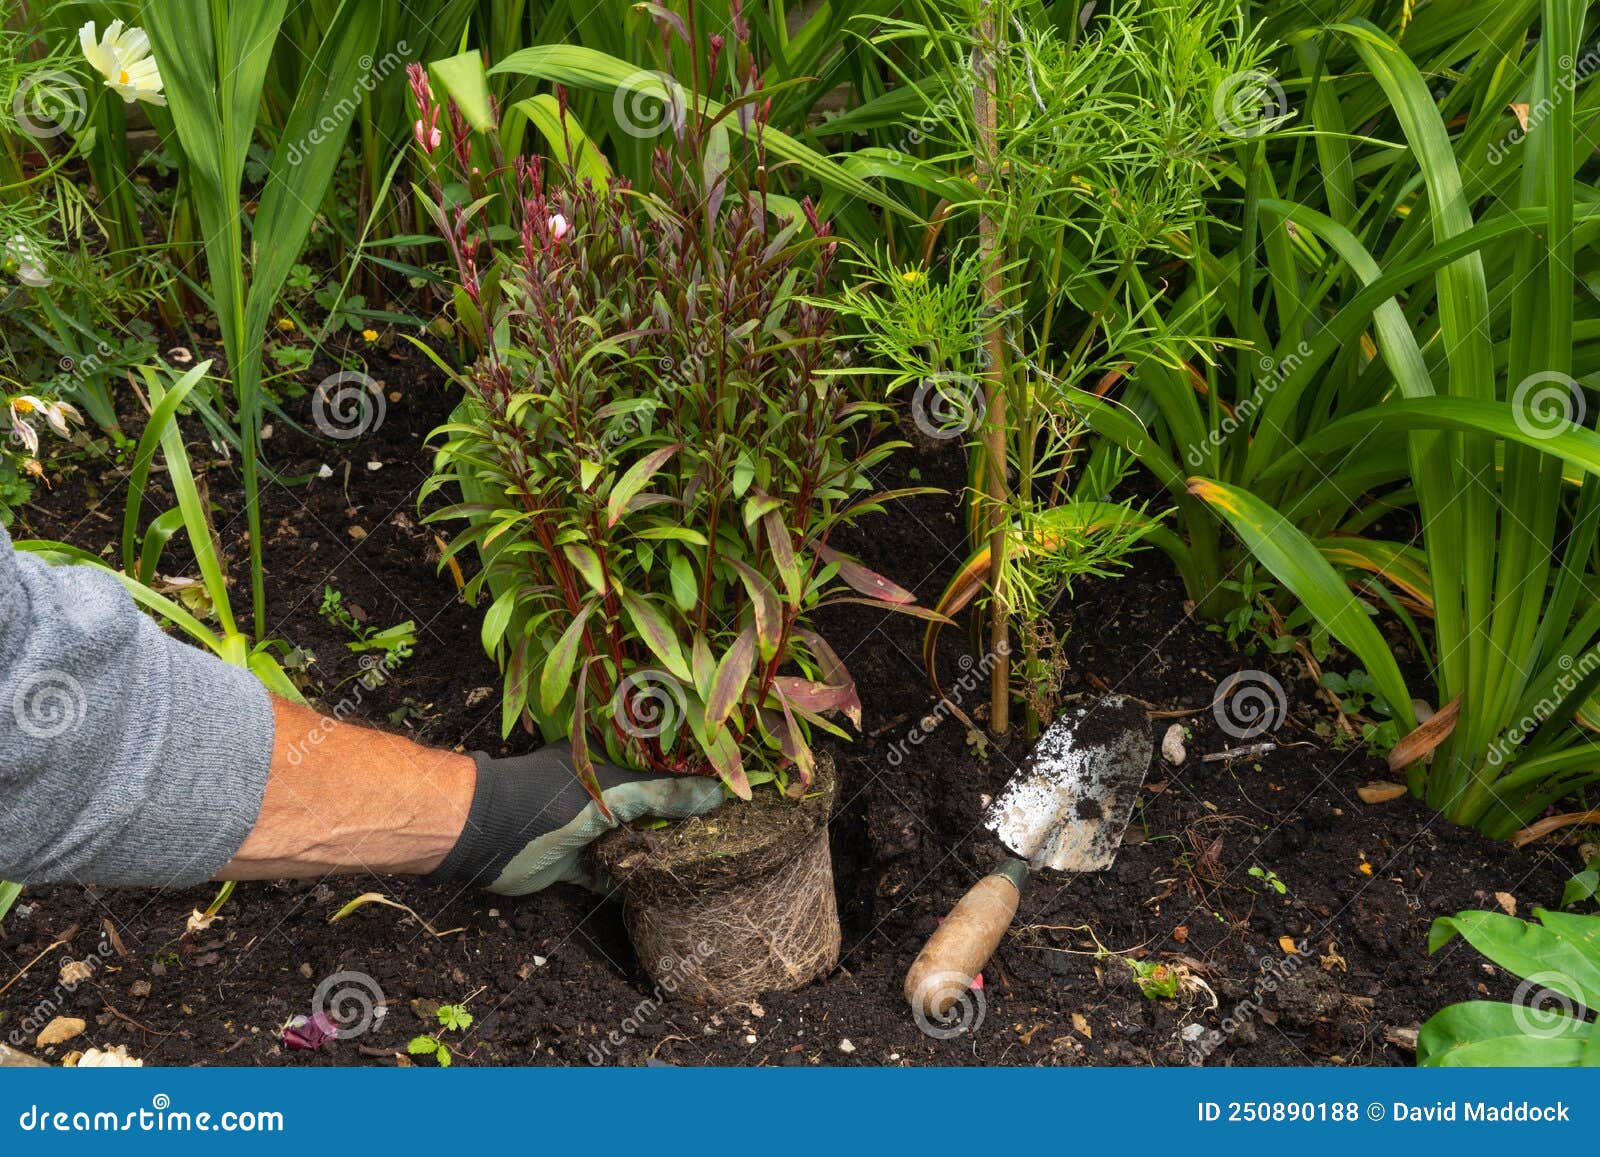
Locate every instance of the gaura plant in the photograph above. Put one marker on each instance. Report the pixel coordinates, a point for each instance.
(655, 453)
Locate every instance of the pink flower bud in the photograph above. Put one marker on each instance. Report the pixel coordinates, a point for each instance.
(558, 226)
(428, 136)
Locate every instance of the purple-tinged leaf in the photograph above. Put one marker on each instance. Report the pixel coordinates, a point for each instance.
(514, 701)
(792, 741)
(868, 582)
(782, 547)
(587, 563)
(582, 764)
(705, 667)
(556, 677)
(657, 634)
(733, 673)
(764, 602)
(723, 752)
(820, 697)
(634, 479)
(834, 672)
(911, 609)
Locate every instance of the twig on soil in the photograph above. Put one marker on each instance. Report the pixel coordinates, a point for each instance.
(125, 1018)
(71, 932)
(1249, 751)
(380, 898)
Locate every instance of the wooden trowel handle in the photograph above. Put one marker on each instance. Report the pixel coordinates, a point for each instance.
(962, 945)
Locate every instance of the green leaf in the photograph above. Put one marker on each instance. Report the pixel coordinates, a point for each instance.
(657, 634)
(497, 619)
(463, 79)
(555, 680)
(680, 572)
(634, 480)
(587, 563)
(1297, 564)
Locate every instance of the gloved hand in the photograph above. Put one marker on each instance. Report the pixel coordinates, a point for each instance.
(530, 818)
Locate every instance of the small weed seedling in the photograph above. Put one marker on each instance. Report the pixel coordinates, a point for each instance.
(395, 642)
(452, 1018)
(1270, 878)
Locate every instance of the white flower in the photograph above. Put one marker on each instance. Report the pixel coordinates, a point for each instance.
(23, 258)
(558, 226)
(57, 414)
(20, 429)
(122, 57)
(112, 1058)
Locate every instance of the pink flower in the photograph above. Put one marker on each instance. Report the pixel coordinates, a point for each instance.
(558, 226)
(428, 135)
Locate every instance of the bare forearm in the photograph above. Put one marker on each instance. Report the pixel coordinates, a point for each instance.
(343, 799)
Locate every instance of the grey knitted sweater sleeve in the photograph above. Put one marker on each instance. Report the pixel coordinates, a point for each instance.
(126, 757)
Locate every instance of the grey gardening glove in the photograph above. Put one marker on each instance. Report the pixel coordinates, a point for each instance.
(531, 819)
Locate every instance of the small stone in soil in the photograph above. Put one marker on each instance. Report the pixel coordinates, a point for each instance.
(846, 1047)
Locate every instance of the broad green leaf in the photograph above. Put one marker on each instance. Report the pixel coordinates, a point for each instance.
(657, 634)
(463, 78)
(555, 680)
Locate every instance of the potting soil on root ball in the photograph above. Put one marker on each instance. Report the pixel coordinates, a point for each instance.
(727, 906)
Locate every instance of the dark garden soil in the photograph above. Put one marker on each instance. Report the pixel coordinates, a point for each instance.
(551, 979)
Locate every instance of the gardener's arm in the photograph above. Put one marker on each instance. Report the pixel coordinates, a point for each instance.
(127, 757)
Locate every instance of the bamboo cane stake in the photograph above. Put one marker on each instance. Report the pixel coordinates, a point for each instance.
(994, 375)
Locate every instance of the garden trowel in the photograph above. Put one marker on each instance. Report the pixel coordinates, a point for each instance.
(1066, 809)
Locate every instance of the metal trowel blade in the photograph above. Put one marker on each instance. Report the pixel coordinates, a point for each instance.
(1069, 804)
